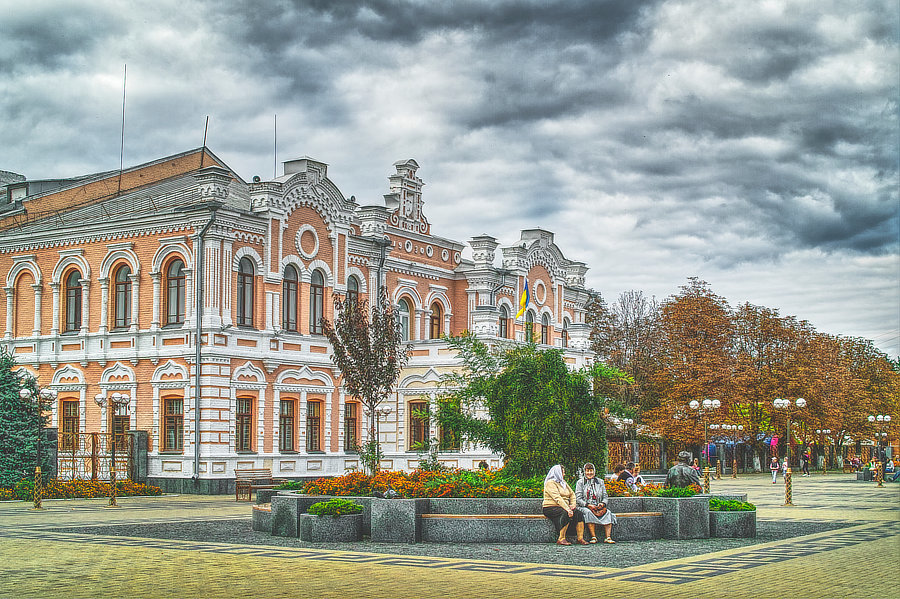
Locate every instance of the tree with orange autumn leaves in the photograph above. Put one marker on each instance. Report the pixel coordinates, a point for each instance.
(695, 346)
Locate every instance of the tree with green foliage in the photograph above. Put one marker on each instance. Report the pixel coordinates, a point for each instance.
(19, 424)
(369, 351)
(538, 411)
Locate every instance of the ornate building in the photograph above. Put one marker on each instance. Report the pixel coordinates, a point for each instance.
(102, 297)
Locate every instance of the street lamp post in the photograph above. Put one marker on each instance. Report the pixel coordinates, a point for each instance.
(784, 404)
(116, 400)
(823, 439)
(43, 395)
(702, 408)
(881, 421)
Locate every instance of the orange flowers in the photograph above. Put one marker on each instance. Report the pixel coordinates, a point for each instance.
(424, 483)
(57, 489)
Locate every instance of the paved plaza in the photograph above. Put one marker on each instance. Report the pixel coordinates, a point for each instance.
(850, 547)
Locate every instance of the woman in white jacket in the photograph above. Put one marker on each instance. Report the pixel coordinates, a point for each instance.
(591, 499)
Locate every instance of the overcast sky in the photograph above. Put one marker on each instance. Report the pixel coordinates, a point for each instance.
(751, 144)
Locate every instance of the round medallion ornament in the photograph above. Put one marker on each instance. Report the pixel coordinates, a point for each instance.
(408, 245)
(540, 292)
(307, 242)
(457, 258)
(429, 251)
(445, 255)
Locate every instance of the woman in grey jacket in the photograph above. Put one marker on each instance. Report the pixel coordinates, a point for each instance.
(591, 500)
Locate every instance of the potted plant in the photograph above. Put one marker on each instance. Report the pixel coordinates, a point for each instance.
(731, 518)
(337, 520)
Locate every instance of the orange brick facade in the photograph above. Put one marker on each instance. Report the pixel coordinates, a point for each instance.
(101, 290)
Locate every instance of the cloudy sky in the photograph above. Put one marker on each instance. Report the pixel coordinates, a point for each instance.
(751, 144)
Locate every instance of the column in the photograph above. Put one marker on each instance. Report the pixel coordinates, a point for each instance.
(9, 313)
(38, 294)
(156, 278)
(135, 303)
(189, 300)
(85, 306)
(104, 304)
(54, 326)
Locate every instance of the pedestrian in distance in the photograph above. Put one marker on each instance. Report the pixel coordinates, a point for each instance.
(773, 468)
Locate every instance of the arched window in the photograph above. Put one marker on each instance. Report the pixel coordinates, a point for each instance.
(122, 297)
(352, 289)
(316, 302)
(245, 293)
(436, 321)
(175, 292)
(529, 326)
(565, 332)
(73, 301)
(289, 298)
(504, 322)
(545, 329)
(403, 312)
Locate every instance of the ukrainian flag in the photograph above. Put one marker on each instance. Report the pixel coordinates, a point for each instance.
(523, 301)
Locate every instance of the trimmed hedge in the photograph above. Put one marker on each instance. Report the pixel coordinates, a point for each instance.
(730, 505)
(335, 507)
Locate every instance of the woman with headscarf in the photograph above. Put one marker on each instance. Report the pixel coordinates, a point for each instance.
(559, 506)
(591, 498)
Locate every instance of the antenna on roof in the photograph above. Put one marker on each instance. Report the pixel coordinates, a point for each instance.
(203, 149)
(275, 148)
(122, 145)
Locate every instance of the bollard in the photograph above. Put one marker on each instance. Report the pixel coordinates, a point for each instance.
(879, 473)
(37, 489)
(734, 468)
(718, 469)
(787, 488)
(706, 480)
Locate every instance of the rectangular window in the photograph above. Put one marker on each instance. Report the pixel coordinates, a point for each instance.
(173, 425)
(418, 424)
(243, 421)
(448, 438)
(351, 423)
(286, 426)
(314, 426)
(120, 425)
(70, 424)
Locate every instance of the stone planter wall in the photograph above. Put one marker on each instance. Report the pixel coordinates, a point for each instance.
(288, 506)
(735, 525)
(683, 517)
(513, 505)
(331, 529)
(395, 520)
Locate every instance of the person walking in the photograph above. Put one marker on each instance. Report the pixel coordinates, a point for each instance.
(773, 468)
(805, 459)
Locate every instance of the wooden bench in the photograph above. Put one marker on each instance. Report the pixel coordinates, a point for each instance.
(248, 479)
(522, 528)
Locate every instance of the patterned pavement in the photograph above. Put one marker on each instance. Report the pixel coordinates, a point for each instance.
(859, 561)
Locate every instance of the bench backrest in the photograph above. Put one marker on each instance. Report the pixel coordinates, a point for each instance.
(252, 473)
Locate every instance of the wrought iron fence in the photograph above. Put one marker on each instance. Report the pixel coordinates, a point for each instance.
(84, 456)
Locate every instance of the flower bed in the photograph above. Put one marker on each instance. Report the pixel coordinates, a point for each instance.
(424, 483)
(459, 484)
(57, 489)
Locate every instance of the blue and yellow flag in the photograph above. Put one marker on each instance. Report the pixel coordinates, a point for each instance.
(523, 301)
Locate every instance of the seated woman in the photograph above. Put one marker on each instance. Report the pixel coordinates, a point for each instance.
(559, 506)
(591, 498)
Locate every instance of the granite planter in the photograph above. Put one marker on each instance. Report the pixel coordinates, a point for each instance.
(289, 506)
(683, 517)
(262, 518)
(511, 505)
(624, 505)
(734, 525)
(331, 529)
(395, 520)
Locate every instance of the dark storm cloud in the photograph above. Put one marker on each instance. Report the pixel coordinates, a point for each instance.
(665, 137)
(41, 36)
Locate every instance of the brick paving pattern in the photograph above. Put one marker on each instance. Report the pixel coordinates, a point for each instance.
(861, 560)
